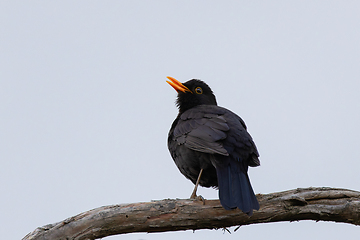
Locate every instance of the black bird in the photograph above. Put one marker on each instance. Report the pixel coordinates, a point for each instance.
(211, 147)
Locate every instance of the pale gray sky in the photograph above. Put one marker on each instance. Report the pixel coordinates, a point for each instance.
(85, 109)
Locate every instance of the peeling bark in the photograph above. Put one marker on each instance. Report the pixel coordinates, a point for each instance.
(319, 204)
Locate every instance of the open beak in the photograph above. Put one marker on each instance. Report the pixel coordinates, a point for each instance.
(178, 86)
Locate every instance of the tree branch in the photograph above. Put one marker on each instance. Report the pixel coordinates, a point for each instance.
(325, 204)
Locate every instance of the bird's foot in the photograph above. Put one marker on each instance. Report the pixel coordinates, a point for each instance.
(198, 198)
(193, 195)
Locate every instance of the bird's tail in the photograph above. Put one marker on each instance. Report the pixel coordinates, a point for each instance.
(235, 190)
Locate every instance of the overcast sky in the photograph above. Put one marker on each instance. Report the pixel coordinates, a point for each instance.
(85, 109)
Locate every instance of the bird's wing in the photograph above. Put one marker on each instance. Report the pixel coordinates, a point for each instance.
(213, 129)
(202, 130)
(239, 143)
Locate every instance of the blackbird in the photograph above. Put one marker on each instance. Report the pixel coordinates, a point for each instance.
(211, 146)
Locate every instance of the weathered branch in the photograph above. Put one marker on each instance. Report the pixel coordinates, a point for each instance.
(325, 204)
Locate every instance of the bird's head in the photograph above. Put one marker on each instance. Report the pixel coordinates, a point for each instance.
(192, 93)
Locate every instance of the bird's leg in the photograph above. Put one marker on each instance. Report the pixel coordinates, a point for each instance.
(193, 195)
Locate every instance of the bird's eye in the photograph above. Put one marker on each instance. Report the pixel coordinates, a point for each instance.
(198, 90)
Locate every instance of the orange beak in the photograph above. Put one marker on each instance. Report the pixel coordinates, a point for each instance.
(178, 86)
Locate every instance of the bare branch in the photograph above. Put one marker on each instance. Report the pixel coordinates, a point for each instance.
(319, 204)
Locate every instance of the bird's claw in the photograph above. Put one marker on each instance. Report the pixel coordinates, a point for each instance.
(198, 198)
